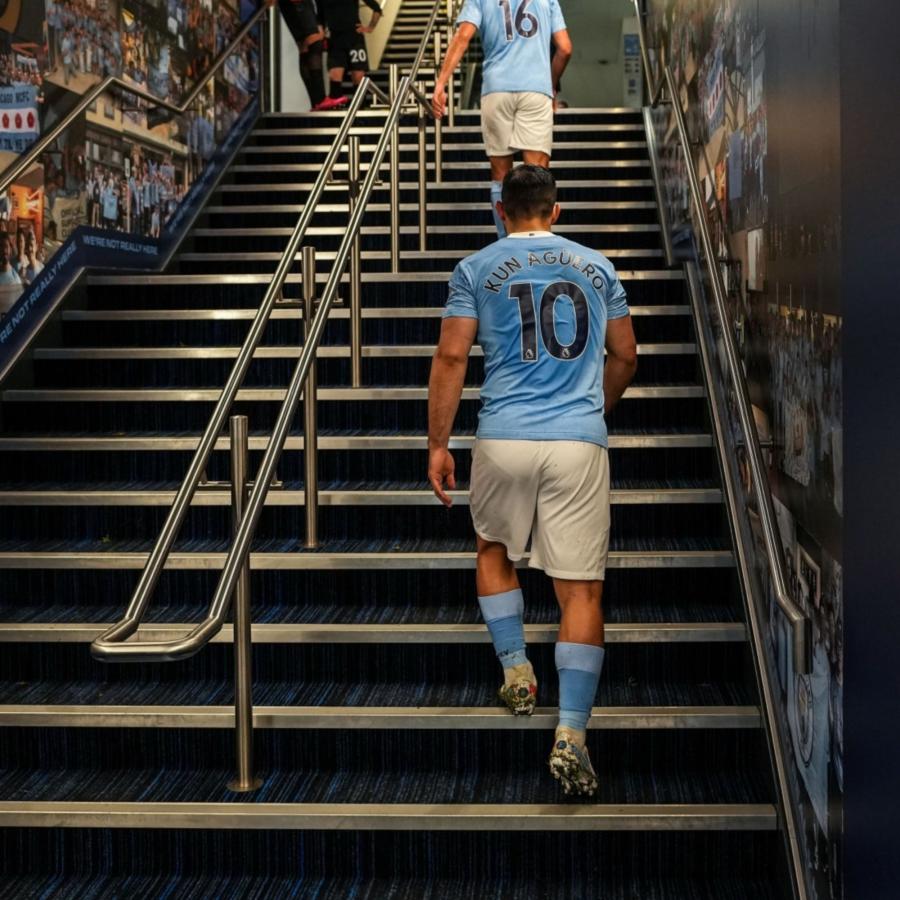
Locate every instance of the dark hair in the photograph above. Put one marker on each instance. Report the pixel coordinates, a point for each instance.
(529, 192)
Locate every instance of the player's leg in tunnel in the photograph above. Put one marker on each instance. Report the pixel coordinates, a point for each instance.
(500, 167)
(502, 606)
(336, 83)
(580, 650)
(311, 68)
(579, 661)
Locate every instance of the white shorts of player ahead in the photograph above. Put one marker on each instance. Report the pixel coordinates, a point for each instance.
(516, 121)
(555, 492)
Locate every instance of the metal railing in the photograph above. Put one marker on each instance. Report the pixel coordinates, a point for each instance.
(31, 156)
(800, 624)
(114, 643)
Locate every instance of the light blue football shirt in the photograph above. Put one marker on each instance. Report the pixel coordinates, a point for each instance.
(516, 36)
(542, 304)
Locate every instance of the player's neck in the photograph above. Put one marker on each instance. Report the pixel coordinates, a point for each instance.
(523, 226)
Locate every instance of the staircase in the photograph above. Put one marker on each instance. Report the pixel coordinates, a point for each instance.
(403, 44)
(389, 768)
(409, 26)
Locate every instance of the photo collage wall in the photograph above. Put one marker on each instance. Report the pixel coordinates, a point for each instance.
(124, 166)
(757, 81)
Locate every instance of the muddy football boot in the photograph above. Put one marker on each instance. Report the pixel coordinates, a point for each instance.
(519, 693)
(571, 767)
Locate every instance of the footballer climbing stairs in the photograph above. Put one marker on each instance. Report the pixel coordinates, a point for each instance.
(389, 769)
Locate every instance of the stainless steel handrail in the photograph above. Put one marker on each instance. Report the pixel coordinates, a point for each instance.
(655, 90)
(109, 644)
(800, 624)
(28, 159)
(113, 643)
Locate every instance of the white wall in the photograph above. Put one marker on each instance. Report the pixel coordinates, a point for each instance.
(595, 75)
(294, 97)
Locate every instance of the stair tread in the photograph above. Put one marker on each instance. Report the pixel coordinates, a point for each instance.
(526, 784)
(275, 392)
(390, 546)
(338, 484)
(622, 615)
(464, 887)
(132, 688)
(323, 432)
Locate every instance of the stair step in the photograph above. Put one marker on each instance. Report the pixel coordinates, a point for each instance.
(330, 351)
(608, 883)
(365, 717)
(433, 230)
(276, 395)
(35, 558)
(392, 817)
(180, 442)
(448, 146)
(406, 256)
(314, 130)
(413, 207)
(583, 186)
(247, 314)
(561, 114)
(327, 497)
(392, 633)
(449, 167)
(625, 275)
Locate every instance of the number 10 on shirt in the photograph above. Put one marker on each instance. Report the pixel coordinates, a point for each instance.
(523, 293)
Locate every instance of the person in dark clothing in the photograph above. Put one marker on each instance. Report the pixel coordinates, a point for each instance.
(302, 19)
(346, 44)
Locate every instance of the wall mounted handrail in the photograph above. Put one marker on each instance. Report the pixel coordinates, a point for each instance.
(30, 157)
(800, 624)
(113, 643)
(654, 89)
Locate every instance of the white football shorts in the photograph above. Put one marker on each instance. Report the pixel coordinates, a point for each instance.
(517, 121)
(554, 492)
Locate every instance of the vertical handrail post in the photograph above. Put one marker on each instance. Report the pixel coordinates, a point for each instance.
(439, 123)
(355, 268)
(451, 86)
(393, 74)
(423, 177)
(437, 52)
(310, 428)
(273, 59)
(244, 781)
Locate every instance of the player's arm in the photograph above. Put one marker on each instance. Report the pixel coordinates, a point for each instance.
(621, 360)
(455, 53)
(562, 53)
(448, 373)
(373, 21)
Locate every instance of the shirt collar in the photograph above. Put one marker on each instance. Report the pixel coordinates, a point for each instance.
(530, 234)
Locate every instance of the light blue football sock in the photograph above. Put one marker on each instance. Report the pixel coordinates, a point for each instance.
(496, 197)
(503, 616)
(579, 668)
